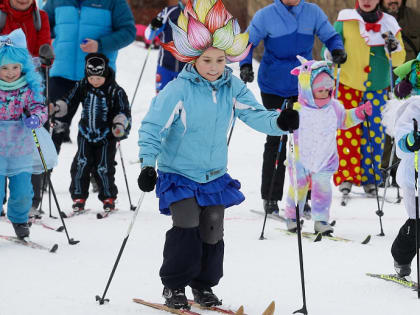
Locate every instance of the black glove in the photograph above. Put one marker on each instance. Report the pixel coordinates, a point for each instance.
(247, 75)
(147, 179)
(156, 23)
(413, 141)
(403, 89)
(46, 55)
(288, 119)
(339, 56)
(390, 41)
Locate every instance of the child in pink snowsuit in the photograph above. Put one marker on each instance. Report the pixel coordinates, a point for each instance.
(315, 141)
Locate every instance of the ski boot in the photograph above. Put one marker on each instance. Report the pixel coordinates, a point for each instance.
(323, 227)
(205, 297)
(78, 205)
(307, 214)
(109, 204)
(402, 270)
(291, 225)
(345, 188)
(21, 230)
(34, 213)
(370, 189)
(271, 206)
(175, 298)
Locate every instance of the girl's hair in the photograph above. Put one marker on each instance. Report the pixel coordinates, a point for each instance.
(10, 54)
(205, 24)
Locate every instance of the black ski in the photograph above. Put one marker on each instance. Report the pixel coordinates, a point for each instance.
(396, 279)
(28, 243)
(74, 213)
(105, 214)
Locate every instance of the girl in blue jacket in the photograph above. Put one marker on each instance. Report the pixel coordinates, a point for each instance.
(185, 132)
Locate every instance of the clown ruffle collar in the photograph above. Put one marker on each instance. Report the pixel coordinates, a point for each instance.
(372, 38)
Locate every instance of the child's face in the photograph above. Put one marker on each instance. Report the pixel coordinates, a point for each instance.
(321, 93)
(96, 81)
(10, 72)
(368, 5)
(211, 64)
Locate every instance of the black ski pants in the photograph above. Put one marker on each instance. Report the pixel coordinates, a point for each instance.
(194, 247)
(271, 101)
(98, 159)
(404, 247)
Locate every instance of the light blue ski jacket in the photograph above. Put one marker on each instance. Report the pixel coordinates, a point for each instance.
(186, 127)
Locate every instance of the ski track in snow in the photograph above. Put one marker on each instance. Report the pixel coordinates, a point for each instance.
(256, 272)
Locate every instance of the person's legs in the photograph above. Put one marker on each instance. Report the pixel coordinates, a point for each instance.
(404, 246)
(183, 246)
(80, 169)
(373, 146)
(211, 233)
(348, 144)
(303, 181)
(104, 171)
(20, 198)
(271, 147)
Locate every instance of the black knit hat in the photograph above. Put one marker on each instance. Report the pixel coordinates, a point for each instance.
(96, 65)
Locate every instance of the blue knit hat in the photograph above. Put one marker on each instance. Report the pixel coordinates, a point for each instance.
(11, 48)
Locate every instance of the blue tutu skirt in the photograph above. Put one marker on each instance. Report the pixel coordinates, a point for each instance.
(18, 152)
(172, 187)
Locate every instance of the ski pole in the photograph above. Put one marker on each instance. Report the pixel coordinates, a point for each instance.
(102, 299)
(379, 212)
(337, 82)
(231, 129)
(416, 177)
(388, 175)
(273, 177)
(44, 164)
(303, 310)
(142, 69)
(132, 208)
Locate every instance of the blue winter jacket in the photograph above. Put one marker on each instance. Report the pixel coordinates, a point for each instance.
(187, 124)
(110, 22)
(287, 32)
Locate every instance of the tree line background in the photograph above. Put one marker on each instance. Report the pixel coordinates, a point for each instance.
(145, 10)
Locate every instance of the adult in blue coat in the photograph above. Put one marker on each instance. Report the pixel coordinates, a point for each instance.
(288, 28)
(79, 27)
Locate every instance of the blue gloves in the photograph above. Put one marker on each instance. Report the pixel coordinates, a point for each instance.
(32, 122)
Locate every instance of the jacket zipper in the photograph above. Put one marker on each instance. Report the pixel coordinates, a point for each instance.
(213, 93)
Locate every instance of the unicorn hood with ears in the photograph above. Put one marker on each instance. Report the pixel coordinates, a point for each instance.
(205, 24)
(309, 72)
(319, 122)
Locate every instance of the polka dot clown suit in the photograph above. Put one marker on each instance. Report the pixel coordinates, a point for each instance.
(364, 77)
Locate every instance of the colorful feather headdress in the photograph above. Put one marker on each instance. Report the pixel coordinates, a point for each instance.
(205, 24)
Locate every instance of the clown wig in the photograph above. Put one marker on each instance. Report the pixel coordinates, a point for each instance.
(205, 24)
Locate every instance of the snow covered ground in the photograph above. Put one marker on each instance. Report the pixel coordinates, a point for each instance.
(256, 272)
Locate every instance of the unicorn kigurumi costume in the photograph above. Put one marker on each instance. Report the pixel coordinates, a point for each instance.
(315, 141)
